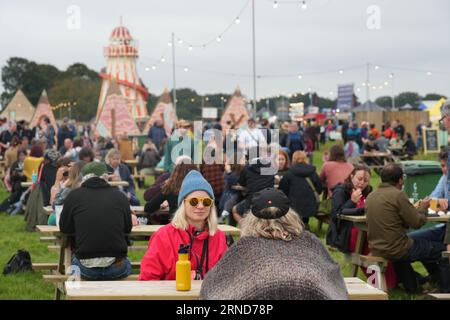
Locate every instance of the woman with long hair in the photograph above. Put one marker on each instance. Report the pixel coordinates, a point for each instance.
(194, 225)
(274, 259)
(169, 192)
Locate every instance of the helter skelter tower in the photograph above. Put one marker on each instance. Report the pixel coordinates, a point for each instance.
(121, 54)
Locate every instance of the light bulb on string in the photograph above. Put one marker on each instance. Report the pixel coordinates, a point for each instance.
(180, 41)
(153, 67)
(186, 69)
(341, 71)
(376, 67)
(237, 20)
(190, 48)
(163, 59)
(275, 4)
(219, 38)
(386, 83)
(147, 68)
(299, 76)
(169, 44)
(429, 73)
(304, 5)
(391, 75)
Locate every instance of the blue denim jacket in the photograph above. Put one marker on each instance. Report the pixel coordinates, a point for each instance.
(441, 190)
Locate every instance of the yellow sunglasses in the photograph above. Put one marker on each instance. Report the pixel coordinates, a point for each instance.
(207, 202)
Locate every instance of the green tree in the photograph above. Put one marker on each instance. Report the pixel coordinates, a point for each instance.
(413, 98)
(434, 96)
(384, 101)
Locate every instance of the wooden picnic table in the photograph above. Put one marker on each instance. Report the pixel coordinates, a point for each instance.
(65, 250)
(139, 210)
(166, 290)
(360, 222)
(377, 160)
(111, 183)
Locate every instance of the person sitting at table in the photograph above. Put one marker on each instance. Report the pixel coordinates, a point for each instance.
(283, 165)
(336, 169)
(389, 215)
(100, 218)
(16, 177)
(86, 154)
(352, 150)
(48, 173)
(274, 259)
(169, 192)
(303, 186)
(254, 178)
(61, 189)
(396, 142)
(348, 199)
(410, 146)
(382, 143)
(369, 148)
(194, 224)
(440, 192)
(120, 172)
(230, 197)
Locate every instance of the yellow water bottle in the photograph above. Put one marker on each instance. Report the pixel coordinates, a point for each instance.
(183, 269)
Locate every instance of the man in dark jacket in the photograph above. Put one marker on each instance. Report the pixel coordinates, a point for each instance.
(389, 215)
(255, 178)
(157, 133)
(100, 218)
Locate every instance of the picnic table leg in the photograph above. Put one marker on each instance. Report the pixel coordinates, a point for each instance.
(60, 269)
(358, 250)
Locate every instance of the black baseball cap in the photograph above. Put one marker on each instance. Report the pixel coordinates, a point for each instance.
(269, 198)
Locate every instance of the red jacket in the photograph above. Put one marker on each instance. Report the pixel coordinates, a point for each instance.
(162, 253)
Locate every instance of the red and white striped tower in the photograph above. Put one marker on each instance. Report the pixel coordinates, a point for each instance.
(121, 55)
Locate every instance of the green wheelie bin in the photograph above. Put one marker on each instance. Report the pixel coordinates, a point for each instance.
(422, 177)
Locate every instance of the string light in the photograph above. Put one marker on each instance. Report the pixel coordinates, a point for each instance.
(190, 48)
(377, 67)
(341, 71)
(304, 5)
(237, 21)
(219, 38)
(163, 59)
(429, 73)
(180, 41)
(186, 69)
(300, 76)
(153, 67)
(275, 4)
(169, 44)
(147, 69)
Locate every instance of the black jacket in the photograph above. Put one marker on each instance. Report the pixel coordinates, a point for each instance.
(252, 178)
(154, 204)
(338, 234)
(295, 185)
(100, 217)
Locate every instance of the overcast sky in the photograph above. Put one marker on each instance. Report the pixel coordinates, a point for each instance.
(330, 35)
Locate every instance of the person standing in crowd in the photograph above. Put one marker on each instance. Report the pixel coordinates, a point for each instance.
(157, 133)
(46, 132)
(399, 129)
(351, 149)
(382, 143)
(374, 131)
(169, 191)
(293, 140)
(7, 135)
(344, 130)
(48, 175)
(100, 252)
(303, 187)
(64, 133)
(251, 138)
(180, 139)
(274, 259)
(67, 146)
(11, 152)
(120, 172)
(389, 132)
(389, 214)
(336, 169)
(194, 224)
(355, 132)
(419, 133)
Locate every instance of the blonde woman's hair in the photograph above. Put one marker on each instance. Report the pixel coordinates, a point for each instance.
(285, 228)
(299, 157)
(111, 153)
(179, 220)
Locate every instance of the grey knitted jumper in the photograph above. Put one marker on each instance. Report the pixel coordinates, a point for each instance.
(256, 268)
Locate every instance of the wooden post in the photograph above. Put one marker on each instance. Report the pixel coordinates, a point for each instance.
(113, 123)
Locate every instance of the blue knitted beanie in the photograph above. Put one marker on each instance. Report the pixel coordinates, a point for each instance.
(194, 181)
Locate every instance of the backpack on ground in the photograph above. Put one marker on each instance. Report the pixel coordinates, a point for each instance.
(19, 262)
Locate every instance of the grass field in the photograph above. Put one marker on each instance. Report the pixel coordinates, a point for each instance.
(31, 286)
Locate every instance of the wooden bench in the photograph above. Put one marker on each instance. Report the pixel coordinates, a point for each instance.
(61, 278)
(57, 248)
(54, 266)
(48, 239)
(322, 218)
(439, 296)
(446, 254)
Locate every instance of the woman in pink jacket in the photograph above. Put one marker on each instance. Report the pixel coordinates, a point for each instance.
(194, 224)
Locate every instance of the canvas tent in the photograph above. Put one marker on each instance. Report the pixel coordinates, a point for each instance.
(43, 109)
(368, 106)
(165, 111)
(19, 108)
(114, 116)
(235, 112)
(406, 107)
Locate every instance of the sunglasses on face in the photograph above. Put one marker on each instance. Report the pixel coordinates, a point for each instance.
(207, 202)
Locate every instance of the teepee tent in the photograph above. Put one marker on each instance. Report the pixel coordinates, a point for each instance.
(114, 116)
(19, 108)
(235, 112)
(43, 109)
(165, 111)
(368, 106)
